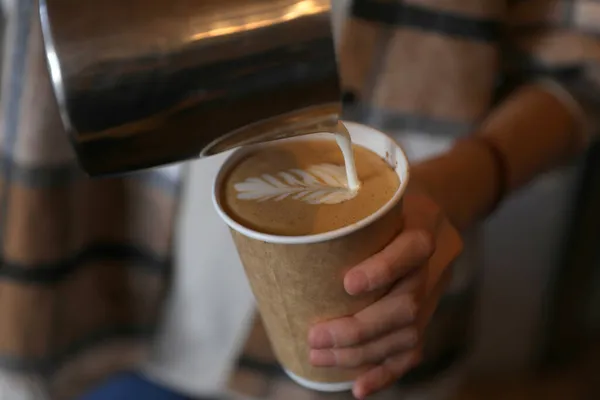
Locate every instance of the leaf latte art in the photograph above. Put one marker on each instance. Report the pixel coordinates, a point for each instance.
(318, 184)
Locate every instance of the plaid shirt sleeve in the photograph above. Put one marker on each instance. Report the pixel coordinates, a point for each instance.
(559, 43)
(84, 264)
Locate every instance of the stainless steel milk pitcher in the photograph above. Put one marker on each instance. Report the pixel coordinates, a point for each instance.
(142, 83)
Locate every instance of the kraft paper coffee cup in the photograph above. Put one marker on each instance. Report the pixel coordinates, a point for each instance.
(298, 280)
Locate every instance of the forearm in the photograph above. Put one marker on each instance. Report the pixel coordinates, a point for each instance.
(534, 130)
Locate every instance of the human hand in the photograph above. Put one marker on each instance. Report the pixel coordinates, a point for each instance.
(387, 336)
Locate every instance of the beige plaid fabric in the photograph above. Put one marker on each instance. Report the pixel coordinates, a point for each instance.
(84, 264)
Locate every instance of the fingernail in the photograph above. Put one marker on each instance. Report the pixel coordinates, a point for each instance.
(320, 338)
(323, 358)
(356, 282)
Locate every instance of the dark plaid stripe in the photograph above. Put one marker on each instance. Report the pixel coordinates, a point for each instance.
(565, 72)
(518, 64)
(47, 365)
(44, 177)
(51, 273)
(525, 61)
(398, 13)
(512, 79)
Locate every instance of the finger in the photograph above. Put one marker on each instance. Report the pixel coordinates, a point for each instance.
(408, 251)
(396, 310)
(372, 353)
(384, 375)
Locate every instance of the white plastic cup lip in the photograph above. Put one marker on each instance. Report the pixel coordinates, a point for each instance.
(356, 131)
(320, 386)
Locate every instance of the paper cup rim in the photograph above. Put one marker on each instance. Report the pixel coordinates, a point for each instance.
(320, 386)
(320, 237)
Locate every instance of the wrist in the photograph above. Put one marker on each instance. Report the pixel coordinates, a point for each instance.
(462, 182)
(500, 179)
(535, 131)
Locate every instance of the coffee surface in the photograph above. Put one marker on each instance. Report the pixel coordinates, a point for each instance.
(297, 188)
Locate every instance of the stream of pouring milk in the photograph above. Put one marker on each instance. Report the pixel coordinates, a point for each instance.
(342, 136)
(317, 184)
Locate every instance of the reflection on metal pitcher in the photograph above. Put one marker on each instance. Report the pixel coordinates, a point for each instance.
(144, 83)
